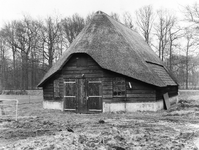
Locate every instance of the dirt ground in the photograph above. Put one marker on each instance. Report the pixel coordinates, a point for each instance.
(38, 129)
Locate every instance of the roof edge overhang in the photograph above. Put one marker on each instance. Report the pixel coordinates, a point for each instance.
(170, 73)
(69, 54)
(67, 59)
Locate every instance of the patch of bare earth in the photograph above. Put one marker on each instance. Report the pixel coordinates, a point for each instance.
(49, 129)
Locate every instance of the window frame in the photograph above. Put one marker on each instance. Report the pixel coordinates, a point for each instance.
(119, 85)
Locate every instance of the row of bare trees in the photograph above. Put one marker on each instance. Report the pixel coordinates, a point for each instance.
(174, 40)
(29, 47)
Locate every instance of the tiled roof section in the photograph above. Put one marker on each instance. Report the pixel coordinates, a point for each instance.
(162, 74)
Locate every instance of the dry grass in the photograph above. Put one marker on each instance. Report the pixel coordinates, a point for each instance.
(189, 95)
(49, 129)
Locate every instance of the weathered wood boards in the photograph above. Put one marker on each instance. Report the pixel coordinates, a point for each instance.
(166, 100)
(84, 86)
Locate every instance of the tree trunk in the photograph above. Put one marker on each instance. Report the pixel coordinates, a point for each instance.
(170, 56)
(26, 72)
(22, 74)
(187, 66)
(14, 68)
(50, 60)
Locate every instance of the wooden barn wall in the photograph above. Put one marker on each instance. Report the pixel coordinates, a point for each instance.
(159, 93)
(80, 64)
(139, 92)
(107, 89)
(171, 90)
(48, 89)
(61, 87)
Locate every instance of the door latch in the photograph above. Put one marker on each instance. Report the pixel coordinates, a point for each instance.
(87, 98)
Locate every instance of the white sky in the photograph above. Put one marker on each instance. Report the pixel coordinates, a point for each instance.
(16, 9)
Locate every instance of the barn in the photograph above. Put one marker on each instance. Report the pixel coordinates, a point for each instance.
(108, 68)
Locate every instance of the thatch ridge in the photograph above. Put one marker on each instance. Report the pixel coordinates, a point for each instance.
(114, 47)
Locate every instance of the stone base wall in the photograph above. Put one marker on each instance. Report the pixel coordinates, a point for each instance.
(133, 107)
(53, 105)
(120, 106)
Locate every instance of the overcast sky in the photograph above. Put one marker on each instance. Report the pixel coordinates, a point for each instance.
(16, 9)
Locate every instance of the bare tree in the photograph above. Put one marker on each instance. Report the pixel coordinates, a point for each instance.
(192, 16)
(8, 33)
(5, 64)
(34, 46)
(2, 63)
(50, 36)
(194, 72)
(34, 53)
(128, 20)
(72, 26)
(162, 28)
(115, 16)
(190, 43)
(24, 41)
(192, 13)
(145, 18)
(21, 38)
(174, 34)
(89, 17)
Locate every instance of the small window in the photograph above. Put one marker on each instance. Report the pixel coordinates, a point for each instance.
(119, 89)
(56, 88)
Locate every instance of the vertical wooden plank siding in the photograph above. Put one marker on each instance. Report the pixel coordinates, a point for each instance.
(139, 92)
(107, 89)
(82, 66)
(48, 91)
(82, 96)
(70, 94)
(94, 94)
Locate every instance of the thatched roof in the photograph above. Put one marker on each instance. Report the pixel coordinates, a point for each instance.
(116, 48)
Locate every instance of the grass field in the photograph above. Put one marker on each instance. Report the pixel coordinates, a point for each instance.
(24, 98)
(183, 94)
(42, 129)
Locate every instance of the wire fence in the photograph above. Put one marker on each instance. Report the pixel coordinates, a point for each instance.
(9, 104)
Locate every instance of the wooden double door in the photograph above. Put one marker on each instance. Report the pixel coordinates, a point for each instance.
(83, 95)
